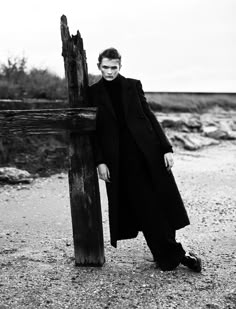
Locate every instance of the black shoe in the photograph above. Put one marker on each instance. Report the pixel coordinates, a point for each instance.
(192, 262)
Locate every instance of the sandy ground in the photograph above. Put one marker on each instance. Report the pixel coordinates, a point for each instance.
(36, 246)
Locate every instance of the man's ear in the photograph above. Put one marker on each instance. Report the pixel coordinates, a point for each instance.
(98, 64)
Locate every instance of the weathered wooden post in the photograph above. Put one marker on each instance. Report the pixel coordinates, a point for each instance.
(83, 180)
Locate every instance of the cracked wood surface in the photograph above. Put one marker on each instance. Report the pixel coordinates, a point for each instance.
(47, 121)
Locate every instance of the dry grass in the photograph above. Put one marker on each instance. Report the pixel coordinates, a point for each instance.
(190, 102)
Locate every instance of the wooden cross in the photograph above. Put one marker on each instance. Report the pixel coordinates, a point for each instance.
(79, 120)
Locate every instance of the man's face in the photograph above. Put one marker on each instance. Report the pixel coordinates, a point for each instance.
(109, 68)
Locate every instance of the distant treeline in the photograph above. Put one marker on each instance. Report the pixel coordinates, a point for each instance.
(16, 82)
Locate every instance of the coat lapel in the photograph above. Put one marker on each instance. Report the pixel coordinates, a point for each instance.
(105, 99)
(125, 89)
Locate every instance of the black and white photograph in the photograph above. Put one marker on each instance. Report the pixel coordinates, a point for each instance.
(118, 154)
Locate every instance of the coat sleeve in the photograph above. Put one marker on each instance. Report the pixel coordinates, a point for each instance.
(98, 154)
(165, 143)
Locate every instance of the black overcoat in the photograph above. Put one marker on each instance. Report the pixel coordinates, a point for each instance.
(152, 143)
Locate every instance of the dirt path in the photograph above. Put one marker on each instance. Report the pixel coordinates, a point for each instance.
(36, 250)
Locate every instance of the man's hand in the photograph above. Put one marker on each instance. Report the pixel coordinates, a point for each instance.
(169, 160)
(103, 172)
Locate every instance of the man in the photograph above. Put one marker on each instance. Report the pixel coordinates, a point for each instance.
(134, 158)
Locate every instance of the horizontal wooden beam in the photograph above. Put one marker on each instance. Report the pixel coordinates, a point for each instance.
(32, 104)
(47, 121)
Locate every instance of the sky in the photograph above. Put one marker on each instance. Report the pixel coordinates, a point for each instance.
(170, 45)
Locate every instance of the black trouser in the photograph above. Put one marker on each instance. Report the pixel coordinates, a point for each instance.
(165, 250)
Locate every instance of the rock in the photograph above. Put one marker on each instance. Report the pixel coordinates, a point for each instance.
(212, 306)
(14, 175)
(174, 123)
(194, 122)
(193, 141)
(182, 122)
(221, 130)
(233, 125)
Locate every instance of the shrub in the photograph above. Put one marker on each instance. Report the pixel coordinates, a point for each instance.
(18, 83)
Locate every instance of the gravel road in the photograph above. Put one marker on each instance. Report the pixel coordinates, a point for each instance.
(36, 246)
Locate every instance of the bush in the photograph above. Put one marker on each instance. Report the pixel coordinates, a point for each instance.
(18, 83)
(42, 84)
(9, 90)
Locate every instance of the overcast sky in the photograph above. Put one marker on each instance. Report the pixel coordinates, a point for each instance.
(170, 45)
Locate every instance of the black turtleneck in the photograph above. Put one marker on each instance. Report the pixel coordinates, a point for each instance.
(113, 89)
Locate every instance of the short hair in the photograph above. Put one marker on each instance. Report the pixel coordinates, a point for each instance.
(110, 53)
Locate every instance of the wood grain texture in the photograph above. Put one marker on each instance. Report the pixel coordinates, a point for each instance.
(28, 104)
(47, 121)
